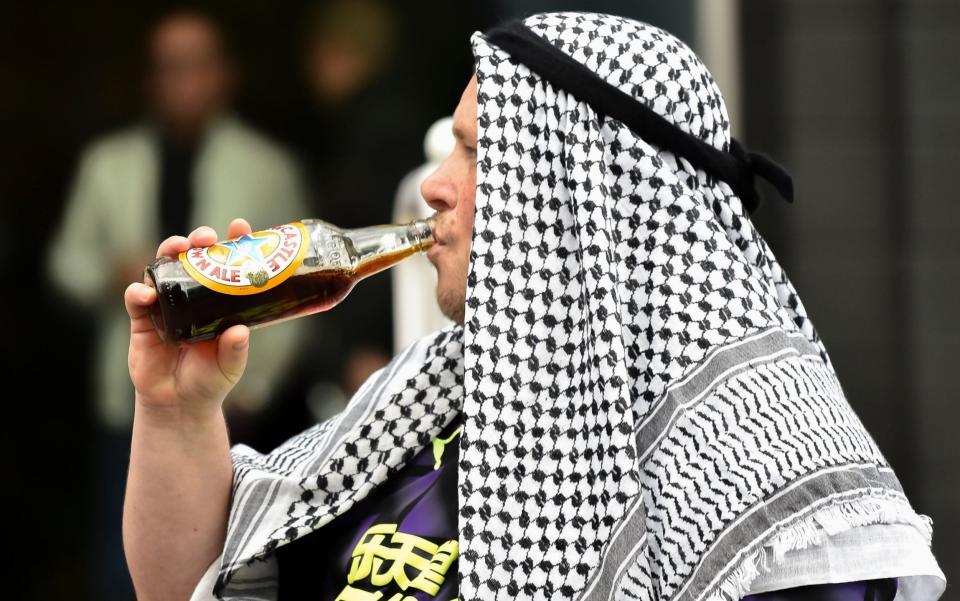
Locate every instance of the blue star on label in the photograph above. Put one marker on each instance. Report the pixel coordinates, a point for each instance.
(245, 247)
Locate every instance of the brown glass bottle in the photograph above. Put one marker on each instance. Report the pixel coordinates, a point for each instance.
(288, 271)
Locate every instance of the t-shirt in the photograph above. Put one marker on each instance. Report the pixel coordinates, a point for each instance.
(399, 543)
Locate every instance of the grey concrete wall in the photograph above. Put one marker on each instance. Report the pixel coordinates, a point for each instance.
(861, 100)
(931, 60)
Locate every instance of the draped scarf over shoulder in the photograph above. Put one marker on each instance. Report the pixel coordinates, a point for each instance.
(648, 409)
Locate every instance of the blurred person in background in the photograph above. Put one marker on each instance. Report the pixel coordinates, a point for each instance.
(362, 144)
(349, 45)
(189, 161)
(374, 78)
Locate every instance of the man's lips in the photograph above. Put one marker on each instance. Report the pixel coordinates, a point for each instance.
(439, 239)
(438, 243)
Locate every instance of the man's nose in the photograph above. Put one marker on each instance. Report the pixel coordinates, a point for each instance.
(438, 192)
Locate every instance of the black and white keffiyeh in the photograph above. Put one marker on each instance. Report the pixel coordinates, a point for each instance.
(649, 414)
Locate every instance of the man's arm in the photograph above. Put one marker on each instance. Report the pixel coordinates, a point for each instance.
(177, 500)
(178, 488)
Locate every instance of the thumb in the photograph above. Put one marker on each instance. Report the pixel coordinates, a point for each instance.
(232, 349)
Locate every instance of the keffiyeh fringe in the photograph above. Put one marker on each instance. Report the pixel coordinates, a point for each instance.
(813, 531)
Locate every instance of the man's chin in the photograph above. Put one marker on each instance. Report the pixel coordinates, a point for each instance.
(452, 305)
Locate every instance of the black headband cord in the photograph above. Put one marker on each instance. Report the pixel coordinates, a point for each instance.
(737, 168)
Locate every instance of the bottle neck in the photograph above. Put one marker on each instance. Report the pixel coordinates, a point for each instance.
(422, 232)
(378, 247)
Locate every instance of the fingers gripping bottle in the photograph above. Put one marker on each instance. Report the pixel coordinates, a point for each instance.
(265, 277)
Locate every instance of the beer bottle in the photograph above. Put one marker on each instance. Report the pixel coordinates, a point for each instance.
(270, 276)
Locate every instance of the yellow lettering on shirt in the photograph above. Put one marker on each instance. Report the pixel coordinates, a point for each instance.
(383, 557)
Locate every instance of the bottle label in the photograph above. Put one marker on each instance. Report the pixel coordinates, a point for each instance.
(251, 263)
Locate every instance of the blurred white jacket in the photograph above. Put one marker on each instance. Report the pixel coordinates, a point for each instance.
(112, 217)
(415, 309)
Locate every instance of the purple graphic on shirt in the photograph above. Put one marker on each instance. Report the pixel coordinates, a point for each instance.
(407, 527)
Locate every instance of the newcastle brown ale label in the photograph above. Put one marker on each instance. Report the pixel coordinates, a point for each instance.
(273, 275)
(249, 264)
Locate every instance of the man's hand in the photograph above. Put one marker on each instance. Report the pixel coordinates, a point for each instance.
(178, 486)
(195, 378)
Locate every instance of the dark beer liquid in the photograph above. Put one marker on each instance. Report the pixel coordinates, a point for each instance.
(187, 312)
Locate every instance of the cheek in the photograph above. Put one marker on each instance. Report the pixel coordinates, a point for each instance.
(466, 209)
(465, 213)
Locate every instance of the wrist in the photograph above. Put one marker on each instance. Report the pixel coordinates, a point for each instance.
(178, 417)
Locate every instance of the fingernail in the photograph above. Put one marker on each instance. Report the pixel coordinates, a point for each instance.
(239, 346)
